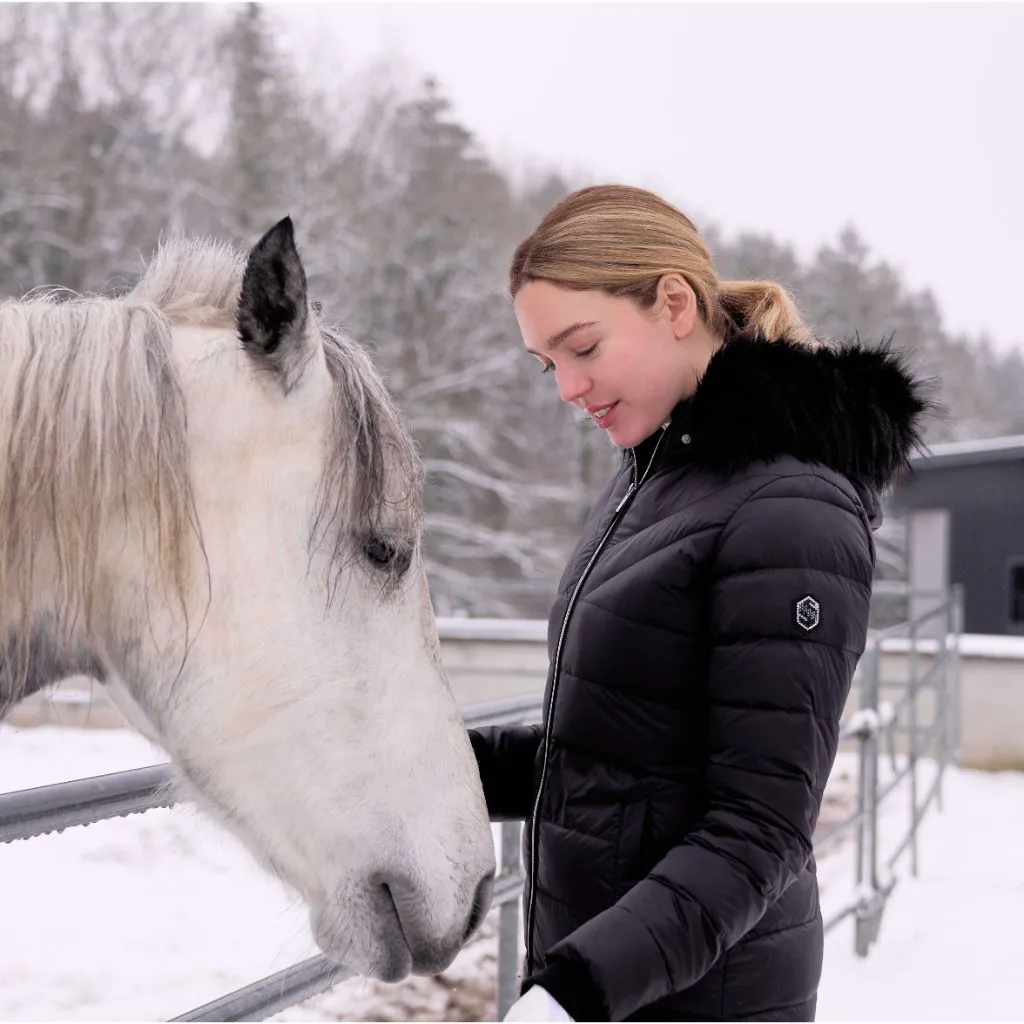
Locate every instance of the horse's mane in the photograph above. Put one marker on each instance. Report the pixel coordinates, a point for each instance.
(93, 427)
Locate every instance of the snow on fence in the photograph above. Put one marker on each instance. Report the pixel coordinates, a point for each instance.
(887, 709)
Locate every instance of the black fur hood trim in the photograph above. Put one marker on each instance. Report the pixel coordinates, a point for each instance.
(855, 408)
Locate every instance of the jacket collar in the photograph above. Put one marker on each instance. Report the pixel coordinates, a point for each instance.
(855, 408)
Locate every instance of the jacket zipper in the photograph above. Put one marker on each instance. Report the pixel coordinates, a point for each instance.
(617, 516)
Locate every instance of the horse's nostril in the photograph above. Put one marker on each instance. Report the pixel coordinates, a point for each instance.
(481, 904)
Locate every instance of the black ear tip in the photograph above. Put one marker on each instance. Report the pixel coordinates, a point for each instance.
(282, 232)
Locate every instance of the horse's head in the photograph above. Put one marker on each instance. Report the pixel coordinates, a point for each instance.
(311, 712)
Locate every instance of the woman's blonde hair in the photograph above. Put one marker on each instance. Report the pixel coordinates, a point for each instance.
(622, 240)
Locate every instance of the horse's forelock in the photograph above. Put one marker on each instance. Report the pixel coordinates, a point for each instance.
(194, 282)
(373, 478)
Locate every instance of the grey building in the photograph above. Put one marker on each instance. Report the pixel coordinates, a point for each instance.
(964, 503)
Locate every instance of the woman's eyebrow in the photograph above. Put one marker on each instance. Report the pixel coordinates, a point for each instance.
(556, 339)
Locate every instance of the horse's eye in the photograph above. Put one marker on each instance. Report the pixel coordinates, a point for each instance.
(380, 552)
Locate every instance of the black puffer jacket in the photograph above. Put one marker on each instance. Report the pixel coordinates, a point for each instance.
(702, 647)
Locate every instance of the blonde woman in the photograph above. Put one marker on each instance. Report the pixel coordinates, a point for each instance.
(706, 628)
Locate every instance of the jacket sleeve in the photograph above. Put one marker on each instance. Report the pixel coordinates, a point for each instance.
(777, 690)
(505, 755)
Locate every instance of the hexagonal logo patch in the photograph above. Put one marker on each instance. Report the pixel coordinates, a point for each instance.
(808, 613)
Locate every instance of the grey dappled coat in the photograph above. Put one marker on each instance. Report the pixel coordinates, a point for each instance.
(702, 646)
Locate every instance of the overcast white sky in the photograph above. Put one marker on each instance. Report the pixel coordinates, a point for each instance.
(903, 119)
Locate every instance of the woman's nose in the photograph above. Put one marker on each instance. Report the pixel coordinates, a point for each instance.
(572, 386)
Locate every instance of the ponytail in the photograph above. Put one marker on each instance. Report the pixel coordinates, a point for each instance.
(763, 307)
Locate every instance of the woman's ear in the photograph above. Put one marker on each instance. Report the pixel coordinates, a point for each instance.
(679, 302)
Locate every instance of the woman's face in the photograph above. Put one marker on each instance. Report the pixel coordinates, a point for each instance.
(626, 367)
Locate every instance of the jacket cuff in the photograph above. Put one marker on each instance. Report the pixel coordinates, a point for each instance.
(570, 983)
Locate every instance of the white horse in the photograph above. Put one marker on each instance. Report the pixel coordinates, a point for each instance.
(208, 502)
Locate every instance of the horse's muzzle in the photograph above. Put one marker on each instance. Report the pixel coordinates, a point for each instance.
(431, 954)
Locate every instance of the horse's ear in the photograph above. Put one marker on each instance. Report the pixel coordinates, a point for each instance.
(273, 309)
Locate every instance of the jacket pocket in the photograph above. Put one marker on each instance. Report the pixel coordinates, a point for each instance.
(633, 842)
(577, 868)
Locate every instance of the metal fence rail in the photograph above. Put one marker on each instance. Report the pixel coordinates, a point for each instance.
(35, 812)
(878, 719)
(45, 809)
(301, 981)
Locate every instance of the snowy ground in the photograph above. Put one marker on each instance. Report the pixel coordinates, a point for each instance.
(950, 947)
(146, 917)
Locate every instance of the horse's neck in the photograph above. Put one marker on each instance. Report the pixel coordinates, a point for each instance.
(14, 685)
(45, 664)
(6, 698)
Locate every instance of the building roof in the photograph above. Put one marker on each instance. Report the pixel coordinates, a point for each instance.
(971, 453)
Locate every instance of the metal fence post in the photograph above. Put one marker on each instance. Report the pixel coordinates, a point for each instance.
(868, 915)
(867, 669)
(508, 921)
(912, 746)
(958, 629)
(940, 725)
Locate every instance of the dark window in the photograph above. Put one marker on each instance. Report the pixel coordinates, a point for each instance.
(1017, 593)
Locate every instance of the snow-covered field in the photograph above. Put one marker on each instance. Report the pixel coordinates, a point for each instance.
(146, 917)
(950, 946)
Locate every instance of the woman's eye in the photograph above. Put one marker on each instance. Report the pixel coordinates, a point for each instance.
(582, 354)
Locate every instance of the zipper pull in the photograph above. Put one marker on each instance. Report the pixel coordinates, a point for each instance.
(625, 498)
